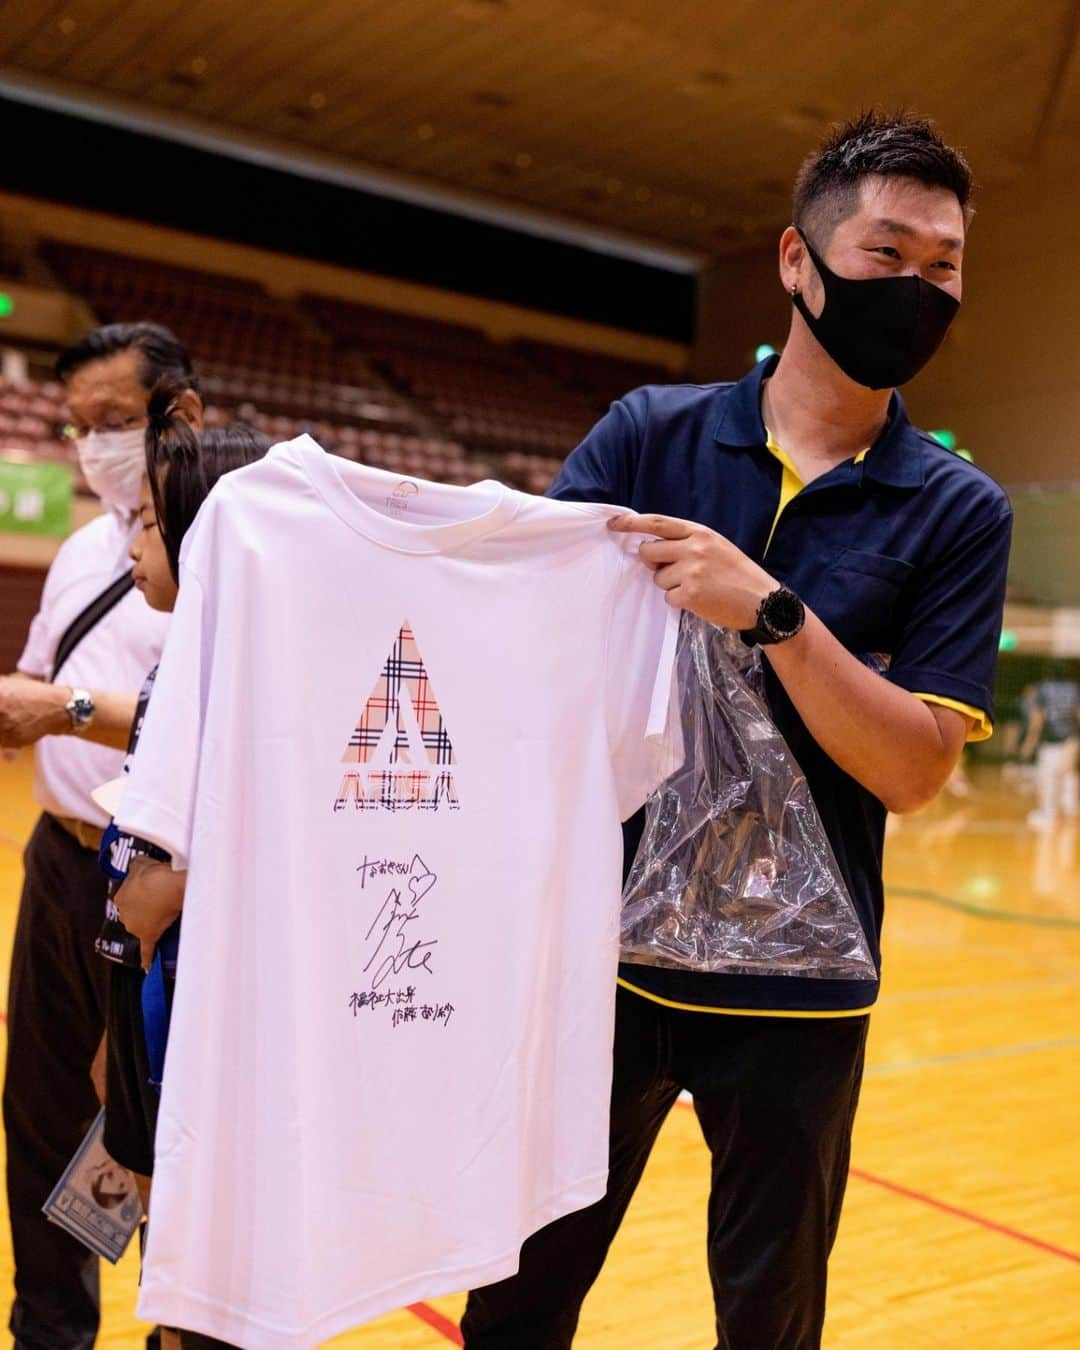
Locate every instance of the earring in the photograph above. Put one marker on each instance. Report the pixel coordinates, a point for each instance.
(794, 288)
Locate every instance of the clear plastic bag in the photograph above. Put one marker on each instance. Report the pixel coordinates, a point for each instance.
(734, 872)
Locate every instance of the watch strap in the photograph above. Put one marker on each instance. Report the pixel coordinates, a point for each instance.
(763, 634)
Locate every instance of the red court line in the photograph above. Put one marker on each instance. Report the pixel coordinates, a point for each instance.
(955, 1210)
(436, 1320)
(946, 1208)
(446, 1328)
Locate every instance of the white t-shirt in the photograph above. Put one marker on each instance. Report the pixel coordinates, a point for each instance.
(394, 732)
(114, 656)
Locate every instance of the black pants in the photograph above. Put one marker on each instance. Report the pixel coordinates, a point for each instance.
(131, 1104)
(775, 1099)
(56, 1014)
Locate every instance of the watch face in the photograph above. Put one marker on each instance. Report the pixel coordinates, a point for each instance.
(783, 612)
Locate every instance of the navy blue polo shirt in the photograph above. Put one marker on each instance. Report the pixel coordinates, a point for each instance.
(901, 553)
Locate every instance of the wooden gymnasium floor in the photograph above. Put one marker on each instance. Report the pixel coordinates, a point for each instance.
(962, 1223)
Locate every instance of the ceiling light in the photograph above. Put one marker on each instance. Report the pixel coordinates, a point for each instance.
(191, 73)
(642, 194)
(614, 186)
(67, 25)
(523, 160)
(317, 101)
(426, 131)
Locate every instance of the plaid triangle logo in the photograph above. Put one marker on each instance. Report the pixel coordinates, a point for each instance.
(400, 745)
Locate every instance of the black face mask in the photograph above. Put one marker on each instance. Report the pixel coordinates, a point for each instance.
(880, 331)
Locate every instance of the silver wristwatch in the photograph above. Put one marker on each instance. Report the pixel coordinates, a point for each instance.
(80, 708)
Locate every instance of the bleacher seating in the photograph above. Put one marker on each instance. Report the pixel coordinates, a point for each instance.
(600, 378)
(411, 394)
(33, 419)
(484, 392)
(236, 332)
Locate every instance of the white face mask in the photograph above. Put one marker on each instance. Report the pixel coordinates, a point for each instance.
(113, 464)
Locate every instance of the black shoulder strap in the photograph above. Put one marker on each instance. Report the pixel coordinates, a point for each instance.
(90, 617)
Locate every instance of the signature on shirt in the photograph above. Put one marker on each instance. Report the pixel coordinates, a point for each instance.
(402, 1006)
(394, 942)
(371, 868)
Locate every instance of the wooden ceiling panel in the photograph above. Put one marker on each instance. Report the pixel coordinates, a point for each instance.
(682, 123)
(45, 36)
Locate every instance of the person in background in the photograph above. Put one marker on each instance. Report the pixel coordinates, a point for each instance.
(182, 466)
(1053, 736)
(73, 698)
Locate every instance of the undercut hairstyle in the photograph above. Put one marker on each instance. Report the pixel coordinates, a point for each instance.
(901, 146)
(183, 464)
(161, 352)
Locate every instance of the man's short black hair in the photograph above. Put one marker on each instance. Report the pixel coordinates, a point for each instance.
(162, 352)
(899, 146)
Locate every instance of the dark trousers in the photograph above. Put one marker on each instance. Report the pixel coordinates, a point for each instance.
(56, 1014)
(775, 1099)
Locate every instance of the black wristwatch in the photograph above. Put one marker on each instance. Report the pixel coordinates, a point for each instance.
(780, 616)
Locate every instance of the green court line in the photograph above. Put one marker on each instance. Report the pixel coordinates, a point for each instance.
(911, 892)
(984, 911)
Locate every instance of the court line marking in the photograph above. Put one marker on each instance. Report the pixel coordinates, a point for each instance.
(992, 1052)
(434, 1319)
(967, 1214)
(910, 892)
(446, 1328)
(984, 911)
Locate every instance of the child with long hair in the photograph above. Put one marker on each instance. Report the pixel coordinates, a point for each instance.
(141, 930)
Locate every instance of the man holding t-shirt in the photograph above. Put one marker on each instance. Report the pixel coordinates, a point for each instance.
(869, 563)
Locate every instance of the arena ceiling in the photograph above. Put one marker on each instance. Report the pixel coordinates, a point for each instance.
(677, 123)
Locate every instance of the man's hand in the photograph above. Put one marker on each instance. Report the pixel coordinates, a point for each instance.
(148, 902)
(897, 747)
(701, 570)
(30, 709)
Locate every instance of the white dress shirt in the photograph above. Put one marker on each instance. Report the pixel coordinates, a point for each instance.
(114, 656)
